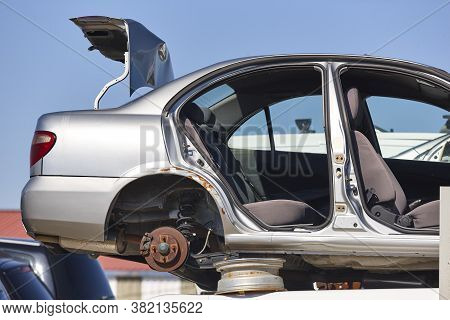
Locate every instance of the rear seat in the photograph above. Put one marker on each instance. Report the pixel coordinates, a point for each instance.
(208, 133)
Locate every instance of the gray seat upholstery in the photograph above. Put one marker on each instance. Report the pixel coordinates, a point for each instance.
(209, 135)
(426, 215)
(382, 187)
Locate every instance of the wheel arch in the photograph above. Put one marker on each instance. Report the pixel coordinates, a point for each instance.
(151, 189)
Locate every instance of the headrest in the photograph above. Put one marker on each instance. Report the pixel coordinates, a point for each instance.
(200, 115)
(354, 100)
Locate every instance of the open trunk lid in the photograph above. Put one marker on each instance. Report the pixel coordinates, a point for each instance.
(146, 57)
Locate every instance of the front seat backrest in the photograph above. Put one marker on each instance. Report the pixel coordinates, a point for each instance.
(378, 179)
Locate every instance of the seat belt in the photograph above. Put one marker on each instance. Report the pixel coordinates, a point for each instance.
(258, 196)
(243, 196)
(372, 198)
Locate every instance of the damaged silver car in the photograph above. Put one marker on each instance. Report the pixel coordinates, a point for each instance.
(274, 164)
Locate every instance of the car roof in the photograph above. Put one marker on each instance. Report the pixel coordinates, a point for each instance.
(161, 96)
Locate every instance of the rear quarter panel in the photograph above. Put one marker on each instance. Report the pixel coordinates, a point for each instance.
(103, 144)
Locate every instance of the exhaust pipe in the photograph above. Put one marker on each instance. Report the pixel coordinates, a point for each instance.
(81, 245)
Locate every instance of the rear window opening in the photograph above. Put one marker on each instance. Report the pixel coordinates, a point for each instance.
(264, 132)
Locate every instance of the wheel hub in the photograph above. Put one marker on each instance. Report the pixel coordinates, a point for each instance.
(165, 249)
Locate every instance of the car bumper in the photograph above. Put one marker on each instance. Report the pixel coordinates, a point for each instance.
(70, 207)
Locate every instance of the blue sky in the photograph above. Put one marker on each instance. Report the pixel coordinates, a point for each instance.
(41, 74)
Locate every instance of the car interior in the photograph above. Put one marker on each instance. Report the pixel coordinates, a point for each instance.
(288, 186)
(398, 192)
(283, 187)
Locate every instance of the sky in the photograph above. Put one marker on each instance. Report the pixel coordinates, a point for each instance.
(46, 66)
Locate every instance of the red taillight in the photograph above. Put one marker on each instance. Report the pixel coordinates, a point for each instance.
(43, 142)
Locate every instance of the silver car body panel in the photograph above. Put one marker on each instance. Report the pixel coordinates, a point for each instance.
(94, 166)
(72, 207)
(102, 144)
